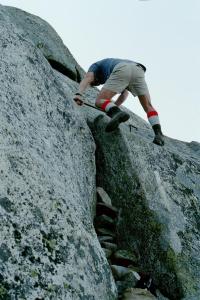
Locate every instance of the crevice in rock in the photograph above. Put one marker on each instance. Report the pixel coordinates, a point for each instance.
(64, 70)
(130, 280)
(78, 76)
(137, 227)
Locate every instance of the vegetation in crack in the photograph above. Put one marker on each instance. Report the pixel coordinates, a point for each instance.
(130, 277)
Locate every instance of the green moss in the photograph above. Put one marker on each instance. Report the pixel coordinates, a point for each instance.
(17, 236)
(56, 204)
(51, 287)
(155, 226)
(2, 290)
(49, 242)
(66, 285)
(34, 274)
(3, 293)
(184, 274)
(125, 254)
(171, 259)
(40, 45)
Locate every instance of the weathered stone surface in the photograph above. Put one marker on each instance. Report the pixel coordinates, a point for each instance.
(120, 288)
(160, 296)
(106, 209)
(128, 278)
(108, 252)
(125, 257)
(104, 221)
(131, 279)
(103, 196)
(48, 245)
(119, 272)
(110, 246)
(105, 231)
(137, 294)
(158, 191)
(45, 39)
(105, 238)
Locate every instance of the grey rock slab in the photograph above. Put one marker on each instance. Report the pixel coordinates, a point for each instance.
(137, 294)
(106, 209)
(128, 281)
(104, 221)
(105, 231)
(160, 296)
(119, 272)
(108, 252)
(103, 196)
(45, 39)
(105, 238)
(125, 257)
(120, 288)
(131, 279)
(110, 246)
(48, 246)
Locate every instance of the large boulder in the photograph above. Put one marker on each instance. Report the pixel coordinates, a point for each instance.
(48, 245)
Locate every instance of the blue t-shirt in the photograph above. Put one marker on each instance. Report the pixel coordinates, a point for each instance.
(103, 68)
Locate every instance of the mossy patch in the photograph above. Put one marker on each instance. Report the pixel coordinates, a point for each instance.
(4, 292)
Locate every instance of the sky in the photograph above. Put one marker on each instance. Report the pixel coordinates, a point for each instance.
(161, 34)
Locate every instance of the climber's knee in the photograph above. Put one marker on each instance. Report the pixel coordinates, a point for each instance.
(99, 102)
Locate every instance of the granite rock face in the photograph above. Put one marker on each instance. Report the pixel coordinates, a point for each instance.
(45, 38)
(48, 246)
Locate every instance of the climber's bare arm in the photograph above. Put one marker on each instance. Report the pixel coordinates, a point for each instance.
(84, 84)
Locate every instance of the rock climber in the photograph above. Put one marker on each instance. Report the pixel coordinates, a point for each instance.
(120, 76)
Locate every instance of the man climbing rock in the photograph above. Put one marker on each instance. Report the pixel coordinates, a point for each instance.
(120, 76)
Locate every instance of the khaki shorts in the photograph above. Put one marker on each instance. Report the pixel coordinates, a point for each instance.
(127, 76)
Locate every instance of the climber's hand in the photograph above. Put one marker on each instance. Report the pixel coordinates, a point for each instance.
(78, 98)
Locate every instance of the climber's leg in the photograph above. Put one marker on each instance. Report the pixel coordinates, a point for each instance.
(114, 112)
(153, 118)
